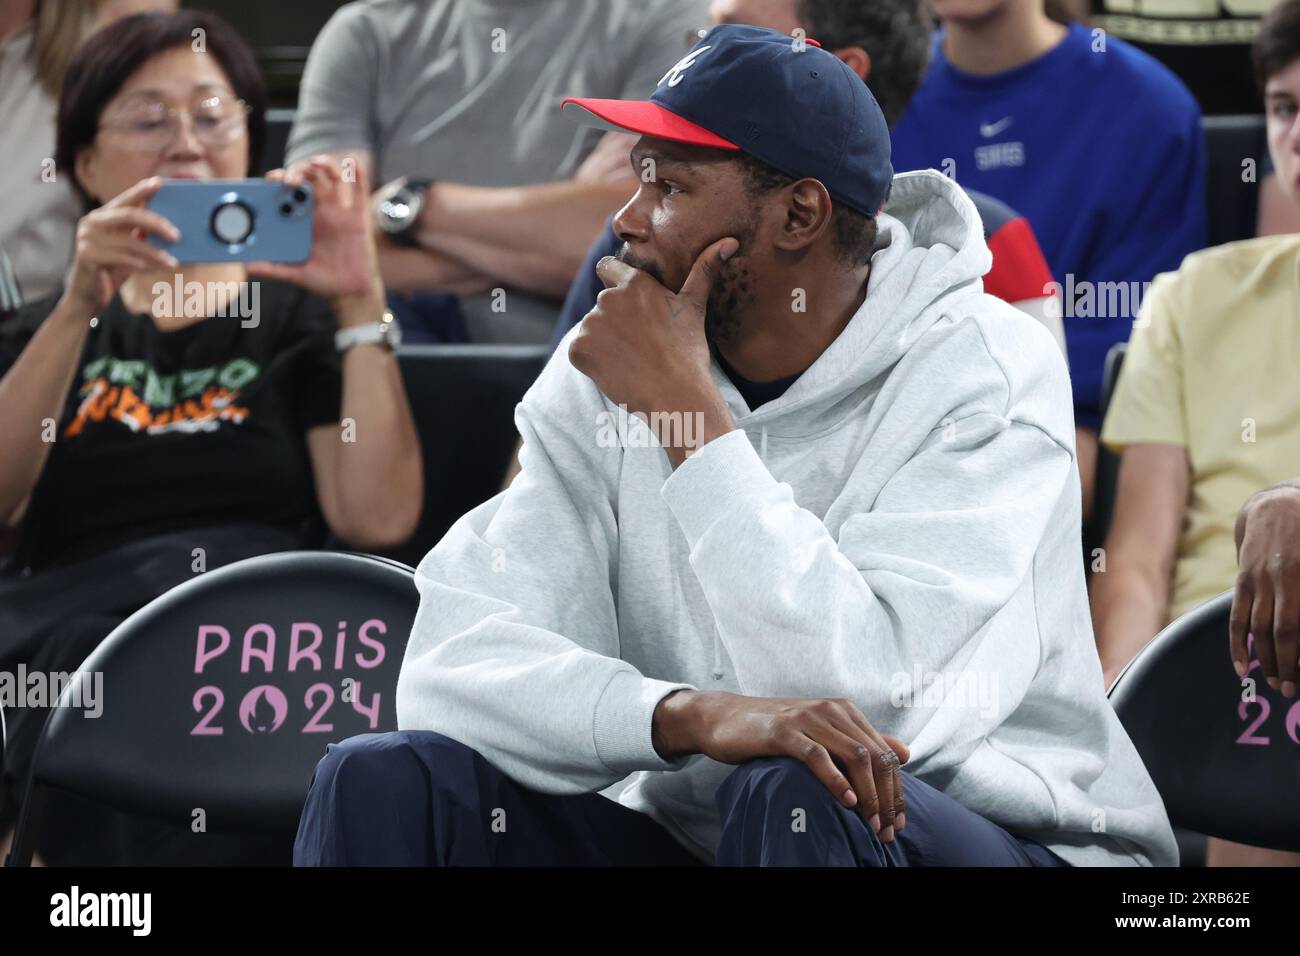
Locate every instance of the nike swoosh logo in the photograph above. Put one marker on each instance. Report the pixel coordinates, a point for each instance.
(992, 129)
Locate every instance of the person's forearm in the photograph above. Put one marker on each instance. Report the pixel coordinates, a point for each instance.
(513, 468)
(710, 409)
(1129, 607)
(408, 269)
(537, 272)
(1086, 451)
(32, 393)
(380, 480)
(671, 727)
(532, 237)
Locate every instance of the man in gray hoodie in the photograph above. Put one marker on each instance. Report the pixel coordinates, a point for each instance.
(812, 516)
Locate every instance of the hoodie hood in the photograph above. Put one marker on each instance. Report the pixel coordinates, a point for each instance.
(930, 248)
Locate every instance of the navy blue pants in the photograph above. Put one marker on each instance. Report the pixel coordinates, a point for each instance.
(417, 798)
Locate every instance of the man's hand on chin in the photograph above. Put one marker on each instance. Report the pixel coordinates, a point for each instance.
(644, 346)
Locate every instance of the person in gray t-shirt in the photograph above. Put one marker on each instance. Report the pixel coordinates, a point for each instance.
(463, 92)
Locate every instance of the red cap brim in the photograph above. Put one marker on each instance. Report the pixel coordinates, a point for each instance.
(642, 116)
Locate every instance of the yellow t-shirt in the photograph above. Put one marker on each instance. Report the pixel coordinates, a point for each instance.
(1213, 365)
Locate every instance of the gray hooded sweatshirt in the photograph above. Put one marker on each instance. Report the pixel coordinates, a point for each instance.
(900, 528)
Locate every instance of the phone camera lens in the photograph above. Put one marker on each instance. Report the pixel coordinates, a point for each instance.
(300, 195)
(286, 209)
(232, 222)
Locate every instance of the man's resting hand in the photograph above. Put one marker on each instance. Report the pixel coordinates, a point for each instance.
(1266, 600)
(857, 764)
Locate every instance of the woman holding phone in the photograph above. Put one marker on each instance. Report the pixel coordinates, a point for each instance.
(143, 434)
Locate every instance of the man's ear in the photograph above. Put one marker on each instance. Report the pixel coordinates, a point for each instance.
(857, 59)
(807, 215)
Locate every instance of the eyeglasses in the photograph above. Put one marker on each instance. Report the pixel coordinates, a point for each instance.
(149, 127)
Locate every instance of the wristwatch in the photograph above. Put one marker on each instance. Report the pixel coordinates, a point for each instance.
(385, 332)
(397, 212)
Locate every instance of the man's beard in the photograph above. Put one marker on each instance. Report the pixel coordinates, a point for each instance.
(730, 295)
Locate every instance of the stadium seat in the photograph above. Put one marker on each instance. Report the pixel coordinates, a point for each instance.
(1225, 767)
(463, 398)
(1106, 483)
(278, 124)
(222, 694)
(1233, 197)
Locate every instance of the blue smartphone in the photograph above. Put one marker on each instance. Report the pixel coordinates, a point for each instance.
(236, 220)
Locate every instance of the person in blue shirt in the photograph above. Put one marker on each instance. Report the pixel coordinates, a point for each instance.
(1098, 145)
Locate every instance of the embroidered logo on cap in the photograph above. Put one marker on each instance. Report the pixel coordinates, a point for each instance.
(679, 69)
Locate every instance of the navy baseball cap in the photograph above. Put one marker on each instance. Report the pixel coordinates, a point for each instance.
(783, 100)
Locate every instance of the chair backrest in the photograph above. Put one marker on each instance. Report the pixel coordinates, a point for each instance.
(463, 398)
(222, 693)
(278, 124)
(1106, 481)
(1226, 767)
(1232, 196)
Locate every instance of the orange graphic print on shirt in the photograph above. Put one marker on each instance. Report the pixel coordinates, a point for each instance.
(133, 395)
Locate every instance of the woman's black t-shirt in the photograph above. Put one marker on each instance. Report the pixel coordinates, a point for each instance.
(200, 426)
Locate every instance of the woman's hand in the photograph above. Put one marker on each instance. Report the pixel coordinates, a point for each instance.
(111, 245)
(344, 263)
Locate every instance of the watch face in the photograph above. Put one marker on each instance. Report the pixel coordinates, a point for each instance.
(392, 333)
(395, 211)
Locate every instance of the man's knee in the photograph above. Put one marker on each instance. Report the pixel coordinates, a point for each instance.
(789, 782)
(784, 780)
(777, 812)
(389, 763)
(371, 799)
